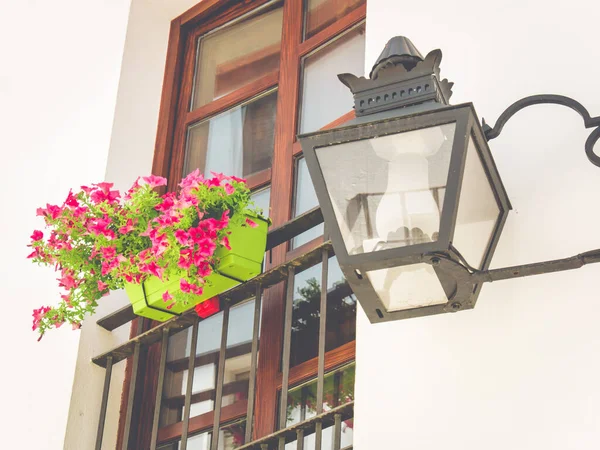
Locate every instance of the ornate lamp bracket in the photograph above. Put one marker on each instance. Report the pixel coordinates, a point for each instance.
(588, 121)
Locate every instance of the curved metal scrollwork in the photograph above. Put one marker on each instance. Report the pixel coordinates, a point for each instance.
(588, 121)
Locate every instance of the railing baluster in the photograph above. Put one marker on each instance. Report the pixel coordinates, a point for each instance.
(220, 378)
(281, 443)
(188, 389)
(287, 345)
(337, 432)
(253, 365)
(104, 402)
(300, 439)
(131, 396)
(159, 388)
(321, 354)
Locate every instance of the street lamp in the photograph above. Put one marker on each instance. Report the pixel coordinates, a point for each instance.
(410, 193)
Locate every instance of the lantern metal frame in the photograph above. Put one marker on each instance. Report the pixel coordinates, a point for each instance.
(405, 93)
(355, 266)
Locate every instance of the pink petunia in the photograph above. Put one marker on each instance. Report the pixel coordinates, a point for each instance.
(128, 227)
(184, 285)
(37, 235)
(76, 326)
(229, 189)
(225, 242)
(251, 223)
(155, 181)
(102, 286)
(71, 201)
(182, 237)
(166, 296)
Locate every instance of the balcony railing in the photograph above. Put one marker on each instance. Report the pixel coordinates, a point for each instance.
(250, 289)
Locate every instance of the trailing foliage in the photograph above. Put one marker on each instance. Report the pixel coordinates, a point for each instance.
(98, 240)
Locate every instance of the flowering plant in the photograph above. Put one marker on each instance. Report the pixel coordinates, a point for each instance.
(99, 240)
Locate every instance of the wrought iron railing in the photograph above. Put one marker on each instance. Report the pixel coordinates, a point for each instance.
(239, 294)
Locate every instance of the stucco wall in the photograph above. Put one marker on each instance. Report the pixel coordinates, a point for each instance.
(130, 155)
(521, 370)
(59, 72)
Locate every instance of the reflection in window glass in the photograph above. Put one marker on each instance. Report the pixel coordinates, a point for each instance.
(236, 142)
(231, 436)
(238, 355)
(262, 199)
(324, 98)
(176, 370)
(305, 198)
(235, 56)
(341, 312)
(338, 390)
(322, 13)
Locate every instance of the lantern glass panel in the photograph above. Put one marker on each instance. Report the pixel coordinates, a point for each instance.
(407, 287)
(387, 192)
(478, 211)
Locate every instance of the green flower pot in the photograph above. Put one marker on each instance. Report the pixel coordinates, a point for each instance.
(241, 263)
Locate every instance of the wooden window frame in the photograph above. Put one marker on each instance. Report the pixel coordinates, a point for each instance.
(174, 118)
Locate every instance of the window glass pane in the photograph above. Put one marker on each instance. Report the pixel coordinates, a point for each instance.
(236, 142)
(320, 81)
(231, 436)
(478, 211)
(238, 354)
(262, 199)
(322, 13)
(305, 198)
(236, 55)
(338, 389)
(386, 191)
(341, 312)
(176, 370)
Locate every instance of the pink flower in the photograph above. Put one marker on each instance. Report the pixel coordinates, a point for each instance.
(225, 242)
(102, 286)
(184, 285)
(99, 227)
(108, 253)
(128, 227)
(51, 211)
(206, 247)
(229, 189)
(197, 290)
(185, 260)
(76, 326)
(37, 235)
(197, 234)
(251, 223)
(182, 237)
(154, 181)
(192, 181)
(68, 281)
(71, 201)
(104, 193)
(38, 315)
(204, 269)
(166, 296)
(167, 203)
(59, 324)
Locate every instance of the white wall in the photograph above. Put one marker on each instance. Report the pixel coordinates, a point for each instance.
(520, 371)
(59, 72)
(130, 155)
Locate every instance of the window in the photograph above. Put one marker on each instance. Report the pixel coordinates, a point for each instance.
(242, 80)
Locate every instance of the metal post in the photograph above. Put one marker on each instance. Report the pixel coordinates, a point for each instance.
(104, 402)
(131, 397)
(159, 388)
(337, 432)
(253, 365)
(300, 439)
(287, 344)
(188, 390)
(321, 354)
(220, 378)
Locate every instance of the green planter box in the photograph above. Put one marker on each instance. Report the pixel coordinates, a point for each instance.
(241, 263)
